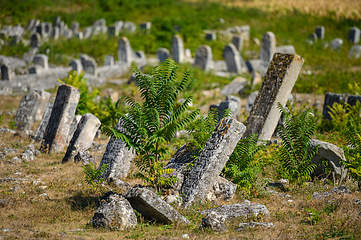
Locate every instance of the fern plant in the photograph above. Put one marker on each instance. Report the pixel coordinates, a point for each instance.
(108, 111)
(93, 175)
(150, 125)
(296, 135)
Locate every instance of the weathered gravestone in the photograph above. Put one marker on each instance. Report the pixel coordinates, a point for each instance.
(286, 49)
(87, 32)
(113, 31)
(26, 113)
(55, 33)
(355, 52)
(235, 87)
(336, 44)
(62, 115)
(232, 103)
(353, 35)
(238, 42)
(41, 29)
(73, 127)
(44, 99)
(57, 21)
(89, 64)
(177, 49)
(83, 136)
(320, 32)
(118, 157)
(109, 60)
(163, 54)
(312, 37)
(233, 59)
(203, 58)
(211, 160)
(48, 27)
(124, 51)
(330, 99)
(276, 87)
(40, 131)
(6, 72)
(75, 27)
(145, 26)
(76, 65)
(41, 60)
(268, 47)
(35, 40)
(211, 36)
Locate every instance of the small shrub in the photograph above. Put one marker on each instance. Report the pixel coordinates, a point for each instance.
(93, 175)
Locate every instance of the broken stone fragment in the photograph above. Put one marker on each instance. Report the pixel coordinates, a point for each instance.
(214, 222)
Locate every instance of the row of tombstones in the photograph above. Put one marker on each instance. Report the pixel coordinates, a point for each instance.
(353, 36)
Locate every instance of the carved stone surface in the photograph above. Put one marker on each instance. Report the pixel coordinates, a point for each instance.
(83, 136)
(124, 51)
(330, 99)
(268, 47)
(163, 54)
(276, 87)
(320, 32)
(203, 58)
(211, 161)
(40, 131)
(73, 126)
(62, 115)
(44, 99)
(177, 49)
(233, 59)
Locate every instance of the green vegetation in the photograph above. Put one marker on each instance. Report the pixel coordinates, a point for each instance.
(93, 175)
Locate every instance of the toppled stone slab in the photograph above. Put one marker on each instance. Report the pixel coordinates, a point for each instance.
(242, 226)
(115, 212)
(151, 206)
(214, 222)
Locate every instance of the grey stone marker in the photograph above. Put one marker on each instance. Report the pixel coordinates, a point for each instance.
(44, 99)
(41, 29)
(353, 35)
(129, 26)
(76, 65)
(83, 136)
(40, 131)
(163, 54)
(280, 78)
(57, 21)
(203, 57)
(233, 104)
(35, 40)
(211, 36)
(87, 32)
(146, 26)
(290, 49)
(62, 115)
(336, 44)
(313, 37)
(124, 51)
(41, 60)
(55, 33)
(330, 99)
(233, 59)
(6, 72)
(235, 87)
(79, 35)
(26, 113)
(355, 52)
(75, 26)
(238, 42)
(211, 161)
(89, 64)
(268, 47)
(73, 127)
(118, 157)
(320, 32)
(113, 31)
(109, 60)
(48, 28)
(151, 206)
(177, 49)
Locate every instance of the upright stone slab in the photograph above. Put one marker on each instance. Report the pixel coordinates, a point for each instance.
(232, 58)
(203, 58)
(177, 49)
(113, 31)
(26, 113)
(320, 32)
(330, 99)
(55, 33)
(6, 72)
(83, 136)
(73, 127)
(268, 47)
(355, 52)
(75, 26)
(44, 99)
(41, 29)
(89, 64)
(57, 21)
(118, 157)
(42, 60)
(87, 32)
(109, 60)
(146, 26)
(76, 65)
(336, 44)
(211, 161)
(238, 42)
(63, 112)
(124, 51)
(276, 87)
(163, 54)
(48, 28)
(353, 35)
(35, 40)
(211, 36)
(312, 37)
(40, 131)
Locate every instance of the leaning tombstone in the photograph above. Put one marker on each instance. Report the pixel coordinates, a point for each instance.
(211, 160)
(40, 131)
(163, 54)
(330, 99)
(41, 60)
(355, 52)
(353, 35)
(336, 44)
(44, 99)
(26, 113)
(83, 136)
(312, 37)
(109, 60)
(35, 40)
(211, 36)
(238, 42)
(87, 32)
(124, 51)
(280, 78)
(268, 47)
(203, 58)
(55, 33)
(73, 127)
(233, 59)
(6, 72)
(320, 32)
(236, 86)
(177, 49)
(63, 112)
(76, 65)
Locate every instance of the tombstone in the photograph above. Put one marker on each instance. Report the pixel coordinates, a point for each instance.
(355, 52)
(29, 56)
(211, 36)
(6, 72)
(353, 35)
(290, 49)
(83, 136)
(55, 33)
(353, 99)
(336, 44)
(313, 37)
(118, 25)
(40, 131)
(68, 33)
(101, 23)
(330, 99)
(31, 25)
(203, 58)
(15, 40)
(232, 58)
(73, 126)
(268, 47)
(129, 26)
(236, 86)
(276, 87)
(89, 64)
(118, 157)
(109, 60)
(76, 65)
(79, 35)
(238, 42)
(48, 27)
(26, 113)
(320, 32)
(41, 29)
(211, 160)
(113, 31)
(187, 53)
(87, 32)
(177, 49)
(146, 26)
(44, 99)
(35, 40)
(62, 115)
(250, 101)
(57, 21)
(61, 27)
(41, 60)
(75, 26)
(232, 103)
(163, 54)
(124, 51)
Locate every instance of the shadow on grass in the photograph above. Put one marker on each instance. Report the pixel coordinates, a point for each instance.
(84, 201)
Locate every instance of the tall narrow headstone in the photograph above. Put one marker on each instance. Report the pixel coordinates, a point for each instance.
(40, 131)
(268, 47)
(204, 57)
(41, 29)
(113, 31)
(35, 40)
(238, 42)
(62, 115)
(73, 126)
(124, 51)
(6, 72)
(89, 64)
(276, 87)
(211, 36)
(353, 35)
(87, 32)
(26, 113)
(211, 160)
(55, 33)
(41, 60)
(109, 60)
(57, 21)
(83, 136)
(44, 99)
(320, 32)
(330, 99)
(232, 58)
(177, 49)
(76, 65)
(163, 54)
